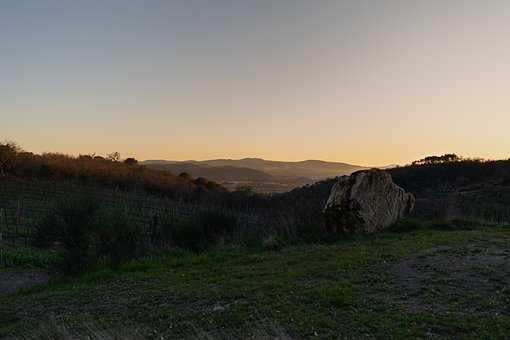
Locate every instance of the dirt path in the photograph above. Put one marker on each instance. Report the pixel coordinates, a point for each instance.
(12, 281)
(472, 279)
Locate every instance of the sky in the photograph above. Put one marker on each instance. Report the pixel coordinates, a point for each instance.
(367, 82)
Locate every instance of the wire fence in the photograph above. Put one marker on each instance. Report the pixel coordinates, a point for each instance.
(23, 203)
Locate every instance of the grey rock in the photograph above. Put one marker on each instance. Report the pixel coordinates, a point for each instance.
(367, 201)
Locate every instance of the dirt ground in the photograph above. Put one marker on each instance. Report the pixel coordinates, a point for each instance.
(472, 279)
(11, 281)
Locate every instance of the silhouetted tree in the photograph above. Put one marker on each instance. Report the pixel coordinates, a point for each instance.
(8, 153)
(185, 175)
(447, 158)
(114, 157)
(130, 161)
(97, 170)
(85, 157)
(245, 190)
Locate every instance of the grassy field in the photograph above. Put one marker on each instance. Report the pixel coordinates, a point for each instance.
(423, 283)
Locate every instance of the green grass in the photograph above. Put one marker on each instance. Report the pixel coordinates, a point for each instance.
(339, 290)
(22, 257)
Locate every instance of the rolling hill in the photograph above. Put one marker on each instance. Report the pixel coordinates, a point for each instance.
(260, 174)
(463, 190)
(214, 173)
(313, 169)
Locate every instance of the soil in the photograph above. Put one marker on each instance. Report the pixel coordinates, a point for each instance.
(472, 279)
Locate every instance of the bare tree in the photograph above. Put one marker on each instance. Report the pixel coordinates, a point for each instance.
(114, 156)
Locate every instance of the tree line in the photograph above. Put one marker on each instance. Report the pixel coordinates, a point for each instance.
(110, 170)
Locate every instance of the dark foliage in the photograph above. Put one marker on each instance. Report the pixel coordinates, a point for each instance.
(130, 161)
(87, 233)
(306, 206)
(432, 179)
(459, 189)
(8, 155)
(99, 170)
(47, 230)
(410, 225)
(71, 225)
(197, 232)
(447, 190)
(407, 225)
(119, 238)
(448, 158)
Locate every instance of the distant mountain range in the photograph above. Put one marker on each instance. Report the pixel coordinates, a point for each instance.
(215, 173)
(260, 174)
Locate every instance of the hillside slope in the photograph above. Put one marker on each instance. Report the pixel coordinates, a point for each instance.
(397, 285)
(312, 169)
(214, 173)
(458, 190)
(97, 170)
(261, 175)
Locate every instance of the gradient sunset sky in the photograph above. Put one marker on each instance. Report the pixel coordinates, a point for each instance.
(365, 82)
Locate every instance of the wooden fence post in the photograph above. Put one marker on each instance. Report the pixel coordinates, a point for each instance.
(1, 228)
(6, 222)
(19, 212)
(1, 246)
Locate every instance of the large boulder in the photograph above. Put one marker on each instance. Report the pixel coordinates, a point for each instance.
(367, 201)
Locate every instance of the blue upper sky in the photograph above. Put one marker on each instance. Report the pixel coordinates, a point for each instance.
(367, 82)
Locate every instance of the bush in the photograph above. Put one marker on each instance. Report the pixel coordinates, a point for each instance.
(87, 233)
(218, 226)
(77, 234)
(308, 232)
(454, 224)
(47, 231)
(273, 242)
(25, 257)
(119, 239)
(188, 234)
(197, 232)
(407, 225)
(70, 225)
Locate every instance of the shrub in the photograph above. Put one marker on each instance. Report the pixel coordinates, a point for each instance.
(218, 226)
(26, 257)
(189, 234)
(272, 242)
(100, 170)
(77, 234)
(119, 238)
(87, 233)
(309, 232)
(47, 231)
(8, 155)
(454, 224)
(407, 225)
(197, 232)
(70, 225)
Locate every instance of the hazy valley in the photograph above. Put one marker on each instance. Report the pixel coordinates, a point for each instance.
(103, 247)
(258, 174)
